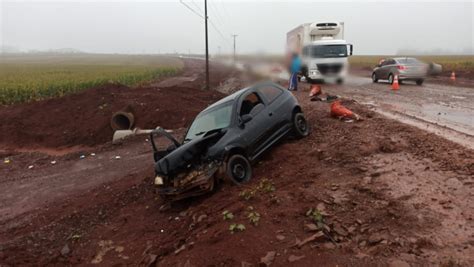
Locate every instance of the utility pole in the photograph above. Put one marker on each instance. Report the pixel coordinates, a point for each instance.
(207, 47)
(234, 36)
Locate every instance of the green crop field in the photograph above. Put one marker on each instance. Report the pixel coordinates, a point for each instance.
(26, 78)
(449, 63)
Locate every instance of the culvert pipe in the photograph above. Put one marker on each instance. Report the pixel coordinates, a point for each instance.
(122, 120)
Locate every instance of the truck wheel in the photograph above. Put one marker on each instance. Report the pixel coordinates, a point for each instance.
(239, 169)
(374, 78)
(300, 125)
(390, 78)
(419, 82)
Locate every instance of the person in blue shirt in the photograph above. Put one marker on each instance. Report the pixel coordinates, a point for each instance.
(295, 67)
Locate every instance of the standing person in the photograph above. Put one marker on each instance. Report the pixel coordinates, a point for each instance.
(295, 67)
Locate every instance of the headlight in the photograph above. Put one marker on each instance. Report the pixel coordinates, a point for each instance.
(158, 180)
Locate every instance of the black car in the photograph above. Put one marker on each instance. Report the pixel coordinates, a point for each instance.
(225, 138)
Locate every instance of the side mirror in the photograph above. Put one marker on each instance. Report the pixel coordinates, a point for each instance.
(351, 49)
(245, 118)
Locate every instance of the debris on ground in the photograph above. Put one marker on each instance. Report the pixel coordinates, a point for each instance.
(341, 112)
(268, 259)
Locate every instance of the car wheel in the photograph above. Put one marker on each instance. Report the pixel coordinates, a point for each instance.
(390, 78)
(239, 169)
(374, 78)
(340, 81)
(419, 82)
(300, 125)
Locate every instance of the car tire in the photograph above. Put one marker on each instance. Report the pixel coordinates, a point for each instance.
(340, 81)
(238, 169)
(374, 78)
(300, 125)
(390, 78)
(420, 82)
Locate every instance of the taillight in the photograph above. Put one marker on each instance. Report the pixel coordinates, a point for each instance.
(400, 67)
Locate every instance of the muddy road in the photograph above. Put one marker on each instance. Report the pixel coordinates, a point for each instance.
(443, 109)
(388, 193)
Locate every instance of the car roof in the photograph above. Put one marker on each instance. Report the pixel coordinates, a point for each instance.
(237, 94)
(228, 98)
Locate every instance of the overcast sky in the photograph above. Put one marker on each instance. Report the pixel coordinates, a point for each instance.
(163, 27)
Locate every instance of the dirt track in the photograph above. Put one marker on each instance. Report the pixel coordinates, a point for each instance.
(388, 191)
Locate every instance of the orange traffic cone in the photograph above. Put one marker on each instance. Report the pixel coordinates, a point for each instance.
(341, 112)
(453, 77)
(315, 90)
(395, 85)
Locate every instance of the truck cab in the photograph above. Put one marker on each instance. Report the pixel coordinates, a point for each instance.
(326, 60)
(323, 50)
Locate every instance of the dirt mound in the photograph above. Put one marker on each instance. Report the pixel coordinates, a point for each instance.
(84, 118)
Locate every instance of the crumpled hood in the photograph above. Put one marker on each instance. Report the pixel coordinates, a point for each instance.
(182, 157)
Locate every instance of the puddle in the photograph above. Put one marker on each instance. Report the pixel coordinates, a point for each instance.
(439, 113)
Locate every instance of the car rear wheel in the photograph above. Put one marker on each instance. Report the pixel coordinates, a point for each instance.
(239, 169)
(374, 78)
(390, 78)
(300, 125)
(419, 82)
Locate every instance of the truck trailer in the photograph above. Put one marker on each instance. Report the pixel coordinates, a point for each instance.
(324, 52)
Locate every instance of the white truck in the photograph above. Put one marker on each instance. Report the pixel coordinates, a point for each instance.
(324, 52)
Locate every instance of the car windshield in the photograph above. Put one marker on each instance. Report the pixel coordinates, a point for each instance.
(217, 118)
(408, 60)
(324, 51)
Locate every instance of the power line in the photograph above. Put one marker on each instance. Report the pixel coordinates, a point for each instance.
(219, 32)
(216, 12)
(197, 6)
(190, 8)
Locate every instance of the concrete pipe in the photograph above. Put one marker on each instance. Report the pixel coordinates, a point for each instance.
(122, 121)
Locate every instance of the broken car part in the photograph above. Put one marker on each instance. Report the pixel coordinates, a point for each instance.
(119, 135)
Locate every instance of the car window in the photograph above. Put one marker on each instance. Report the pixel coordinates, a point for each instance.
(249, 103)
(408, 60)
(270, 92)
(217, 118)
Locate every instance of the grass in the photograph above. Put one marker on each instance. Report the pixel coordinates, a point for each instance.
(449, 63)
(25, 78)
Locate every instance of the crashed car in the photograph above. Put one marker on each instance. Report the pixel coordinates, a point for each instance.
(225, 138)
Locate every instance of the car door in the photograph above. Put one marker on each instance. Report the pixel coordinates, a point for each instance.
(253, 132)
(378, 69)
(275, 109)
(388, 68)
(382, 70)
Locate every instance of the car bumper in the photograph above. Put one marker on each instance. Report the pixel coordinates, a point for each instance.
(194, 183)
(411, 76)
(316, 75)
